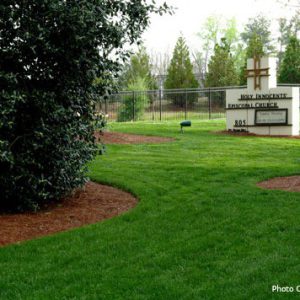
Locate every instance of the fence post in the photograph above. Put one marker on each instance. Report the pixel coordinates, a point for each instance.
(133, 106)
(105, 105)
(151, 97)
(160, 103)
(185, 105)
(209, 103)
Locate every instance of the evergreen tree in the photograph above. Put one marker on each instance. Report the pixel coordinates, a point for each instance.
(290, 67)
(180, 72)
(221, 69)
(287, 29)
(259, 26)
(135, 102)
(139, 68)
(213, 29)
(254, 49)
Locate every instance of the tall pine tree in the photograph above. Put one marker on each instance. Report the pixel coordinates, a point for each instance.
(290, 67)
(221, 69)
(259, 26)
(255, 48)
(180, 72)
(138, 69)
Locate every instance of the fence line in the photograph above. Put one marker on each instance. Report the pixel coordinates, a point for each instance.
(163, 105)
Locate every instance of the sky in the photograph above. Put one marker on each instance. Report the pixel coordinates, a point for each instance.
(190, 15)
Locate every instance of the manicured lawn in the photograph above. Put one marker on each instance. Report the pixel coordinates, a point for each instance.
(202, 229)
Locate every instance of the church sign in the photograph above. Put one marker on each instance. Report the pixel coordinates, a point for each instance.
(271, 117)
(263, 108)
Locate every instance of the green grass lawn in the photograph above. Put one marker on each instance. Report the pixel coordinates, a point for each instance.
(202, 229)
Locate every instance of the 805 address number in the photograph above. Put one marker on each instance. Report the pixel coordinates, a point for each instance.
(240, 123)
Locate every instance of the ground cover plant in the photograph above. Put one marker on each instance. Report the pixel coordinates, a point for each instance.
(202, 229)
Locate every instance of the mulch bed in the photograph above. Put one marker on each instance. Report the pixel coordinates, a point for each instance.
(94, 203)
(243, 133)
(125, 138)
(290, 183)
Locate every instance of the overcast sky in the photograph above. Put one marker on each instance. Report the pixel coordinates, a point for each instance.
(161, 36)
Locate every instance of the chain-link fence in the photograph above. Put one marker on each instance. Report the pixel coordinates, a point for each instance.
(164, 105)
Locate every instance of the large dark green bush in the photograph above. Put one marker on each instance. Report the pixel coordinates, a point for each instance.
(50, 53)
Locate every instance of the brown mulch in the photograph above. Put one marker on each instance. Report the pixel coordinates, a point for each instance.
(94, 203)
(290, 183)
(125, 138)
(243, 133)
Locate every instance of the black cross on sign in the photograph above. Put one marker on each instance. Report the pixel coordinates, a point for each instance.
(257, 73)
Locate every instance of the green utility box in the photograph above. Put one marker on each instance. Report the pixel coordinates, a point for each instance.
(185, 124)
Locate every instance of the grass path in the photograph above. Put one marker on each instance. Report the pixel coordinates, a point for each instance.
(202, 229)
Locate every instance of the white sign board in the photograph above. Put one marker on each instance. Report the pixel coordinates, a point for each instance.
(271, 117)
(263, 108)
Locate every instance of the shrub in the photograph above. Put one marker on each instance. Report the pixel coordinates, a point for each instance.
(135, 103)
(50, 54)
